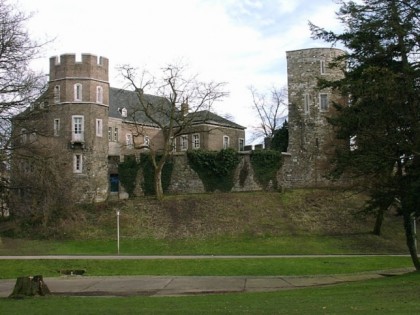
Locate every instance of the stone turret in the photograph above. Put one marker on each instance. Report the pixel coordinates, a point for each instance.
(79, 101)
(311, 137)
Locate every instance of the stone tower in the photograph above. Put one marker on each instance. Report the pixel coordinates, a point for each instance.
(311, 137)
(78, 101)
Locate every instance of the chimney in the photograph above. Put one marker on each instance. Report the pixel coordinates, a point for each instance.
(184, 107)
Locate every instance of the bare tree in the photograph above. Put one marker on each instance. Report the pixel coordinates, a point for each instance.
(178, 103)
(19, 86)
(271, 109)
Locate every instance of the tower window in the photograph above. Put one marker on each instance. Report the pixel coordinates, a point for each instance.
(99, 127)
(323, 101)
(57, 94)
(322, 66)
(99, 94)
(77, 163)
(306, 100)
(77, 128)
(56, 127)
(129, 140)
(77, 92)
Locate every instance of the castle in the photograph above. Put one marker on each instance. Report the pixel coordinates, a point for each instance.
(81, 129)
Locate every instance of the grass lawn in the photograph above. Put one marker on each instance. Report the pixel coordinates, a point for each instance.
(393, 295)
(10, 269)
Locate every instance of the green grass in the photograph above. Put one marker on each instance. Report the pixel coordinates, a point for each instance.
(245, 245)
(205, 267)
(393, 295)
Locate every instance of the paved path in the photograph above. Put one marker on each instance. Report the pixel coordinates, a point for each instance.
(170, 285)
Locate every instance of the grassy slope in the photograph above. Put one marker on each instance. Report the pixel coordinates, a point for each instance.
(296, 222)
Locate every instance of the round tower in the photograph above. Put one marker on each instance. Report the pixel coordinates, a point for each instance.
(78, 114)
(311, 137)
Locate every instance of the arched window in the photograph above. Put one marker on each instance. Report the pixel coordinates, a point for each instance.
(57, 94)
(99, 94)
(77, 92)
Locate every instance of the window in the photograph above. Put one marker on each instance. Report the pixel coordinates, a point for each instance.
(241, 144)
(99, 94)
(77, 92)
(146, 141)
(196, 141)
(77, 128)
(77, 163)
(57, 94)
(124, 112)
(129, 140)
(99, 127)
(116, 134)
(322, 66)
(184, 143)
(225, 142)
(56, 127)
(23, 135)
(306, 101)
(323, 102)
(109, 133)
(173, 143)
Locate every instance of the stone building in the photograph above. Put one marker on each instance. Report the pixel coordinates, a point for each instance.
(311, 138)
(81, 128)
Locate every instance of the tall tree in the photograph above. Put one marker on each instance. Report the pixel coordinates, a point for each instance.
(271, 111)
(182, 100)
(382, 121)
(19, 85)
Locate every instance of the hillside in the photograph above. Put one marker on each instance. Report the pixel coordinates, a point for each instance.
(299, 213)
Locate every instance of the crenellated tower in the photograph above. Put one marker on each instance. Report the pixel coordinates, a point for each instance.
(311, 137)
(78, 102)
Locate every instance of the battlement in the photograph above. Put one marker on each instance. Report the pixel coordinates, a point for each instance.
(89, 66)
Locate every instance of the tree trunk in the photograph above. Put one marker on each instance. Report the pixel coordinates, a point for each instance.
(158, 183)
(29, 286)
(379, 220)
(410, 239)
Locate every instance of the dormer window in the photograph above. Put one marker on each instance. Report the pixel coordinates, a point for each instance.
(99, 94)
(124, 112)
(77, 92)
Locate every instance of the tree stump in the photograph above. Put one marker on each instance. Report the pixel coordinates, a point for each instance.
(29, 286)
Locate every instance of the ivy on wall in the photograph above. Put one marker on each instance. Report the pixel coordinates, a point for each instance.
(265, 164)
(215, 169)
(127, 173)
(149, 174)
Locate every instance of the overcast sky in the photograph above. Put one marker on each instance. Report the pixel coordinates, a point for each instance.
(241, 42)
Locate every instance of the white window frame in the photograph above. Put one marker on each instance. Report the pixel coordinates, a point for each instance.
(226, 142)
(116, 134)
(146, 141)
(77, 128)
(322, 66)
(196, 141)
(99, 127)
(109, 133)
(124, 112)
(99, 94)
(184, 143)
(77, 163)
(323, 102)
(56, 127)
(78, 92)
(306, 103)
(241, 144)
(57, 92)
(129, 140)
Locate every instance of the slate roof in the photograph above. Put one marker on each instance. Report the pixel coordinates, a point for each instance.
(119, 99)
